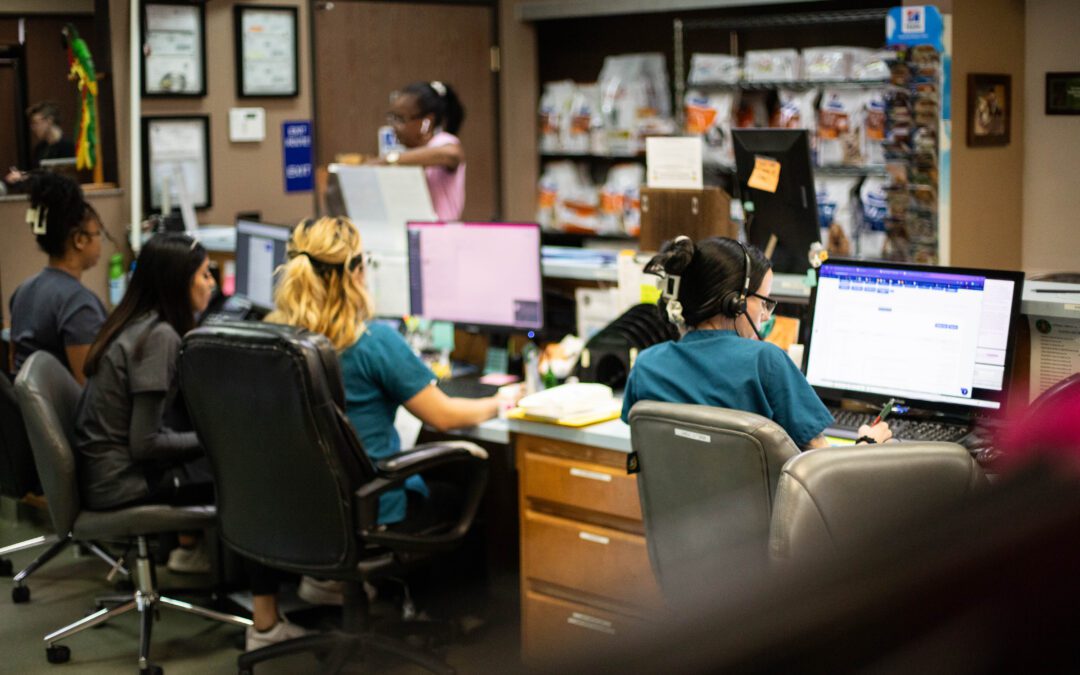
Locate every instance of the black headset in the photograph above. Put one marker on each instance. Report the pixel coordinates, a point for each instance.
(734, 303)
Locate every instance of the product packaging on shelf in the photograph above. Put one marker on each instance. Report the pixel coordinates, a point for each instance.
(710, 116)
(874, 212)
(772, 65)
(838, 205)
(714, 69)
(554, 114)
(840, 123)
(634, 100)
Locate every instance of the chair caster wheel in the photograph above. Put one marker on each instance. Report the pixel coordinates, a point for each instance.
(151, 670)
(6, 569)
(20, 594)
(58, 654)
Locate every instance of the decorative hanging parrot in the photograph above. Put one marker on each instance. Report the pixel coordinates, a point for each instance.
(82, 72)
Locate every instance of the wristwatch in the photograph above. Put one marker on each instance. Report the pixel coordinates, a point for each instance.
(393, 157)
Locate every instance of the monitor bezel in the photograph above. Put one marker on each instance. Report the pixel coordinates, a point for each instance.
(832, 395)
(288, 229)
(473, 327)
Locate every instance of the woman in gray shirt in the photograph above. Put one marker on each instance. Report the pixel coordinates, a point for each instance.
(53, 310)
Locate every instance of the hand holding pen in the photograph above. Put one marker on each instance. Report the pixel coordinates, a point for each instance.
(877, 431)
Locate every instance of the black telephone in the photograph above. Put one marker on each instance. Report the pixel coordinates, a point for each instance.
(232, 308)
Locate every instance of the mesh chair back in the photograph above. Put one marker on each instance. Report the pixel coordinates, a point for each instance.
(707, 480)
(266, 402)
(18, 475)
(48, 396)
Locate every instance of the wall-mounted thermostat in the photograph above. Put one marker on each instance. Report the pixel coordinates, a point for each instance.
(247, 125)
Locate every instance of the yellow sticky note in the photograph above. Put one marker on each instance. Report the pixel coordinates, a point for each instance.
(650, 295)
(766, 174)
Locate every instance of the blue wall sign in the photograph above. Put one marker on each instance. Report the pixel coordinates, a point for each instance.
(299, 167)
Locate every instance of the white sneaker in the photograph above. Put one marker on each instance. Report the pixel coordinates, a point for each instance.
(321, 591)
(280, 632)
(195, 560)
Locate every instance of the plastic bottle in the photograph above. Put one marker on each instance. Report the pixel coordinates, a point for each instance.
(117, 280)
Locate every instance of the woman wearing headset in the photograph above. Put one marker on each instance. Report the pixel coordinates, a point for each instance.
(426, 117)
(717, 292)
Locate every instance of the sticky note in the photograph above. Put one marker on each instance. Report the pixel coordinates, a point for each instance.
(650, 295)
(442, 335)
(766, 174)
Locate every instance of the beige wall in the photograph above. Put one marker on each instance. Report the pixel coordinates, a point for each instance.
(246, 176)
(987, 183)
(519, 97)
(1051, 215)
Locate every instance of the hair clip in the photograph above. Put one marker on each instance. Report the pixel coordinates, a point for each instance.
(674, 313)
(36, 217)
(439, 87)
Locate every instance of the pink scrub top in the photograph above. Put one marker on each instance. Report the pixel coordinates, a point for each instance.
(447, 186)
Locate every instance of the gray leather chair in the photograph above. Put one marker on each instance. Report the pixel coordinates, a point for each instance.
(48, 396)
(833, 500)
(707, 483)
(19, 478)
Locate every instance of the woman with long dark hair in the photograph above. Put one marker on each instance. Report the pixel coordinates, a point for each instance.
(426, 117)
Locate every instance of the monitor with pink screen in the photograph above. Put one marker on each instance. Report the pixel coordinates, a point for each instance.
(485, 275)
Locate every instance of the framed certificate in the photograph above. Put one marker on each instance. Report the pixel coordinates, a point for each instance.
(266, 51)
(174, 48)
(176, 161)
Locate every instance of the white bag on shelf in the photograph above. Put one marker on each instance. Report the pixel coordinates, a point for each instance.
(772, 65)
(714, 69)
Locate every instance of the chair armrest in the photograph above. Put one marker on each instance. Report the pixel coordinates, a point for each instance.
(392, 473)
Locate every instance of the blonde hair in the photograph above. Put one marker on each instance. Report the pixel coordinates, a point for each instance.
(318, 290)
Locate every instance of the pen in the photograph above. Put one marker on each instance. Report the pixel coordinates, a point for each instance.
(885, 410)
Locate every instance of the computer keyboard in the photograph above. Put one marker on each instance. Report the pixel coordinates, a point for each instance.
(903, 428)
(467, 387)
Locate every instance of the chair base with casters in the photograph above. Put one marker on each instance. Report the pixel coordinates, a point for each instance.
(146, 601)
(20, 593)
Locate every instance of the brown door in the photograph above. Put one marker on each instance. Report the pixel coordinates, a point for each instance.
(365, 50)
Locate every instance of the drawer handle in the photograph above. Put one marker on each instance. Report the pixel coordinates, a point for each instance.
(595, 538)
(591, 475)
(590, 622)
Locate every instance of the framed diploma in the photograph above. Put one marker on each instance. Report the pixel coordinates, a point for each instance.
(266, 51)
(174, 48)
(176, 162)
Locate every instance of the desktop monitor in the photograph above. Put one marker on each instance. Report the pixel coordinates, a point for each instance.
(790, 212)
(260, 251)
(484, 275)
(939, 338)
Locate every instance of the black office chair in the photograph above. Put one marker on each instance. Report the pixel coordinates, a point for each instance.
(707, 483)
(19, 478)
(832, 501)
(295, 489)
(48, 396)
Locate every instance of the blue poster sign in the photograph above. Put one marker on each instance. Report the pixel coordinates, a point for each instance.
(297, 153)
(910, 26)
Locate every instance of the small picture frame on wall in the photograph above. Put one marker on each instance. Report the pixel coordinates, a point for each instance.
(1063, 93)
(267, 61)
(174, 49)
(176, 162)
(989, 113)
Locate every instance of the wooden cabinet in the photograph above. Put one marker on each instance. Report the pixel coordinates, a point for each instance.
(585, 573)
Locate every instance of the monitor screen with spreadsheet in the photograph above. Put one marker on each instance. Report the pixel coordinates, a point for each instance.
(476, 274)
(260, 251)
(939, 336)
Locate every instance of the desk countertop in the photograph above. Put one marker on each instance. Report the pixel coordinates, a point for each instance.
(612, 435)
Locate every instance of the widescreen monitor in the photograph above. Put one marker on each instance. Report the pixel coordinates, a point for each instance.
(790, 212)
(484, 275)
(260, 251)
(940, 338)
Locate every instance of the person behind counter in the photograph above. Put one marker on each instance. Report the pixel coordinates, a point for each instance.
(48, 136)
(53, 310)
(717, 292)
(426, 116)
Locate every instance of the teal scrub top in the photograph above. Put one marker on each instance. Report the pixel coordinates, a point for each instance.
(380, 373)
(721, 369)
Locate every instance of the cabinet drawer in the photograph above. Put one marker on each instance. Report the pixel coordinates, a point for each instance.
(585, 485)
(556, 629)
(589, 558)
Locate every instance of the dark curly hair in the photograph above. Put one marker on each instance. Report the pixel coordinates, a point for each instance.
(440, 100)
(65, 209)
(710, 269)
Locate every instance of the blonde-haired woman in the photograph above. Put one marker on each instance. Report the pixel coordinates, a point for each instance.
(322, 289)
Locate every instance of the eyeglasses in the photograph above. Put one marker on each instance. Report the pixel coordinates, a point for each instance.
(766, 302)
(394, 119)
(102, 232)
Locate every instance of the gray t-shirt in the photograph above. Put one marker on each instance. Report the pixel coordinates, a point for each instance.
(141, 359)
(53, 310)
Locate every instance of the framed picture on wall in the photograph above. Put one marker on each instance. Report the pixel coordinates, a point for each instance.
(176, 162)
(1063, 93)
(989, 113)
(174, 48)
(267, 61)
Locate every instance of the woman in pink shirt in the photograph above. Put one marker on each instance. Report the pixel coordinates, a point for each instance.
(426, 116)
